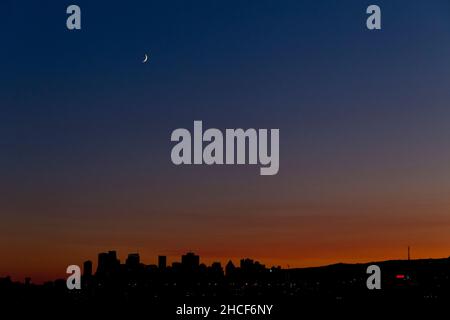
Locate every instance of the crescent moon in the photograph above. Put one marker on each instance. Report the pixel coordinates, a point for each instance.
(145, 59)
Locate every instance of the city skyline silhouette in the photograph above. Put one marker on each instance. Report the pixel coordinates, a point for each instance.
(109, 261)
(163, 286)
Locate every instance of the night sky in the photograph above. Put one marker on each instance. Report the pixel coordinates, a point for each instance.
(364, 119)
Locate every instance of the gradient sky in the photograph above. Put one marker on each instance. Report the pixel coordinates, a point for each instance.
(85, 128)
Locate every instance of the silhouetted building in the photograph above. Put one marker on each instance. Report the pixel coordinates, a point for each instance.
(176, 267)
(216, 266)
(102, 262)
(190, 261)
(108, 262)
(87, 268)
(162, 262)
(151, 268)
(229, 268)
(133, 261)
(246, 264)
(216, 269)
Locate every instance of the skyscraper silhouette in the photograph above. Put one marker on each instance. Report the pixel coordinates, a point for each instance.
(133, 261)
(162, 262)
(190, 261)
(107, 262)
(87, 268)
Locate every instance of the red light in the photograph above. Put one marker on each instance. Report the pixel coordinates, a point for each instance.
(400, 276)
